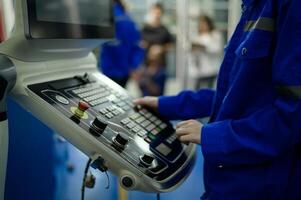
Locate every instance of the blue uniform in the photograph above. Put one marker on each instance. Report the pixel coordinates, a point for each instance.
(118, 58)
(252, 144)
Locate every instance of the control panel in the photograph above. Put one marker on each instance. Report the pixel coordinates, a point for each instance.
(136, 139)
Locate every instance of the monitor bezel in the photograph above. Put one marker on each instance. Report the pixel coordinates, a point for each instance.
(57, 30)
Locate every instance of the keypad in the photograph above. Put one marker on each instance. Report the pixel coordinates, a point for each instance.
(123, 102)
(93, 94)
(171, 139)
(111, 111)
(142, 123)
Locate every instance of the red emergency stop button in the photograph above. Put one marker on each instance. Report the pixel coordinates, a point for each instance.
(81, 109)
(83, 106)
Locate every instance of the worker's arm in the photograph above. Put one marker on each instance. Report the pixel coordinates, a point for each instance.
(275, 129)
(187, 105)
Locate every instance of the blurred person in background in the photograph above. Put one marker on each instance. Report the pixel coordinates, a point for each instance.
(206, 54)
(155, 32)
(119, 58)
(151, 78)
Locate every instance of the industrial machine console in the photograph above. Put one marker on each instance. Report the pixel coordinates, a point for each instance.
(153, 159)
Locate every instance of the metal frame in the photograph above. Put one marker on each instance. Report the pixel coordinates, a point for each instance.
(7, 80)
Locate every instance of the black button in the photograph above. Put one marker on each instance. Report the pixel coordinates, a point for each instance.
(99, 124)
(147, 159)
(121, 140)
(127, 182)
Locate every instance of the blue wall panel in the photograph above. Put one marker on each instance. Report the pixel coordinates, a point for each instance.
(41, 166)
(30, 162)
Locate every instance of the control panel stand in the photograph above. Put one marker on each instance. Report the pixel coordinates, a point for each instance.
(7, 81)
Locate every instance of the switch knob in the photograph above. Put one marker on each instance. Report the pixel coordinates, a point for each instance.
(147, 159)
(81, 108)
(121, 140)
(127, 182)
(99, 125)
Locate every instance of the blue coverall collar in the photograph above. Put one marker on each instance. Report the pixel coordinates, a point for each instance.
(247, 2)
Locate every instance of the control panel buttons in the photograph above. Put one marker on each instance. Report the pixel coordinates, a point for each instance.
(99, 125)
(62, 99)
(83, 106)
(133, 137)
(121, 140)
(128, 182)
(163, 149)
(137, 108)
(80, 111)
(147, 139)
(147, 160)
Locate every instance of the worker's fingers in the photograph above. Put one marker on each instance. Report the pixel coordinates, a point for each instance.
(194, 138)
(184, 123)
(141, 101)
(186, 138)
(147, 101)
(182, 131)
(189, 131)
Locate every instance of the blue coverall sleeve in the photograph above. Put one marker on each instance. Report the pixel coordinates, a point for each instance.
(138, 54)
(187, 105)
(275, 129)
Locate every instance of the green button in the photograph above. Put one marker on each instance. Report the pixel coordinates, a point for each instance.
(151, 136)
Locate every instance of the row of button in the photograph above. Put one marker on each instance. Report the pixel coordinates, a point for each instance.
(123, 103)
(146, 118)
(93, 92)
(98, 101)
(135, 129)
(85, 89)
(147, 130)
(171, 139)
(97, 96)
(111, 111)
(128, 123)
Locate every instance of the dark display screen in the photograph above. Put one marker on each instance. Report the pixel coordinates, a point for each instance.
(70, 19)
(85, 12)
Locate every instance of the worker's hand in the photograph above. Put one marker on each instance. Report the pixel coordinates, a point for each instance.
(136, 75)
(150, 102)
(189, 131)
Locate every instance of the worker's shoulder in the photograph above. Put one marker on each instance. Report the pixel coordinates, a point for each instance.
(285, 4)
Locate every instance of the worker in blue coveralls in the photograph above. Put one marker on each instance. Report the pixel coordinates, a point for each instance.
(119, 58)
(252, 144)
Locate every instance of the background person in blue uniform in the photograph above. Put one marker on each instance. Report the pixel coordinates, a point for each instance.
(252, 144)
(122, 56)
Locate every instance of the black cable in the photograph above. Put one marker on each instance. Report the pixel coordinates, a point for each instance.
(108, 184)
(158, 196)
(84, 179)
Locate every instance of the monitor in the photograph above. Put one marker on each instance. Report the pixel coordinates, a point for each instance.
(70, 19)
